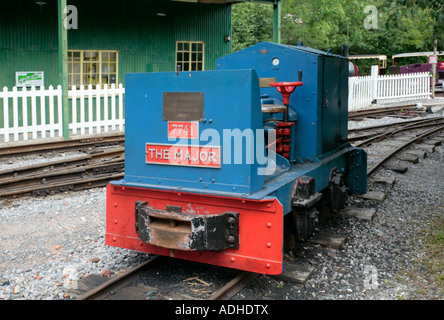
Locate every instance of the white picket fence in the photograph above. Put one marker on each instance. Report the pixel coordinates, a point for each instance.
(104, 121)
(363, 91)
(37, 113)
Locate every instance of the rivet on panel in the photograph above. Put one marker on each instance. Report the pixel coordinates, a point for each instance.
(115, 221)
(268, 266)
(269, 225)
(268, 245)
(233, 259)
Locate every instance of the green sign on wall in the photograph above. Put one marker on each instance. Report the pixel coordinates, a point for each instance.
(29, 78)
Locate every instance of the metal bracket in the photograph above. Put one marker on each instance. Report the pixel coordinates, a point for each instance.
(304, 201)
(337, 190)
(304, 195)
(173, 229)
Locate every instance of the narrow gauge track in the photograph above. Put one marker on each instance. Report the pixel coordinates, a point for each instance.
(241, 279)
(76, 144)
(365, 135)
(124, 285)
(83, 172)
(98, 169)
(381, 146)
(406, 111)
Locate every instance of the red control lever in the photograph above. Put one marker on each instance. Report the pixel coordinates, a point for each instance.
(286, 89)
(283, 131)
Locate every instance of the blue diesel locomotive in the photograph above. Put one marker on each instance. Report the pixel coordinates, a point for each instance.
(220, 165)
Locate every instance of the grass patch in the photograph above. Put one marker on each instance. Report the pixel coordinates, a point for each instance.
(433, 261)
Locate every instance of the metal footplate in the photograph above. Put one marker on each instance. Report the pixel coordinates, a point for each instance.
(173, 229)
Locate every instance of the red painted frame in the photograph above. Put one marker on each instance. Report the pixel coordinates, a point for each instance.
(260, 227)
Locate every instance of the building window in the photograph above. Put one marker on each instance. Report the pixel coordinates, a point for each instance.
(92, 67)
(190, 55)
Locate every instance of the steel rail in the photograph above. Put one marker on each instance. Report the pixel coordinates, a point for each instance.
(234, 286)
(389, 125)
(60, 145)
(102, 291)
(119, 281)
(79, 183)
(115, 165)
(379, 111)
(53, 166)
(395, 131)
(401, 147)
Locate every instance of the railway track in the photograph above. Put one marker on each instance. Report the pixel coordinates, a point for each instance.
(98, 168)
(133, 284)
(76, 144)
(383, 143)
(407, 111)
(406, 134)
(94, 169)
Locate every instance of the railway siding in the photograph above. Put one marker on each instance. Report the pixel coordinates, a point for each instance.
(36, 258)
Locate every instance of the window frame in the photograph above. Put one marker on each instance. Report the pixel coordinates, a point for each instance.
(190, 53)
(83, 73)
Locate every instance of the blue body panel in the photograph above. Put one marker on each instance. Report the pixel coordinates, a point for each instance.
(232, 100)
(321, 104)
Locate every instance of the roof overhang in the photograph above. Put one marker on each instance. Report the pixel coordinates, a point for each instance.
(381, 58)
(417, 54)
(368, 56)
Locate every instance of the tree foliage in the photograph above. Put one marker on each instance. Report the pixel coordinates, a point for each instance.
(424, 15)
(377, 27)
(252, 23)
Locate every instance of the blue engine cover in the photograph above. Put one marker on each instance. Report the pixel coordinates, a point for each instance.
(200, 132)
(321, 104)
(231, 101)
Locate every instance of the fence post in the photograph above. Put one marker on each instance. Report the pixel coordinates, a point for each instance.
(6, 112)
(374, 83)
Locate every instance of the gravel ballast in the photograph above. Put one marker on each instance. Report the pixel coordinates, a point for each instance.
(47, 243)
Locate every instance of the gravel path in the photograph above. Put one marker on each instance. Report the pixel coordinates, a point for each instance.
(382, 259)
(47, 243)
